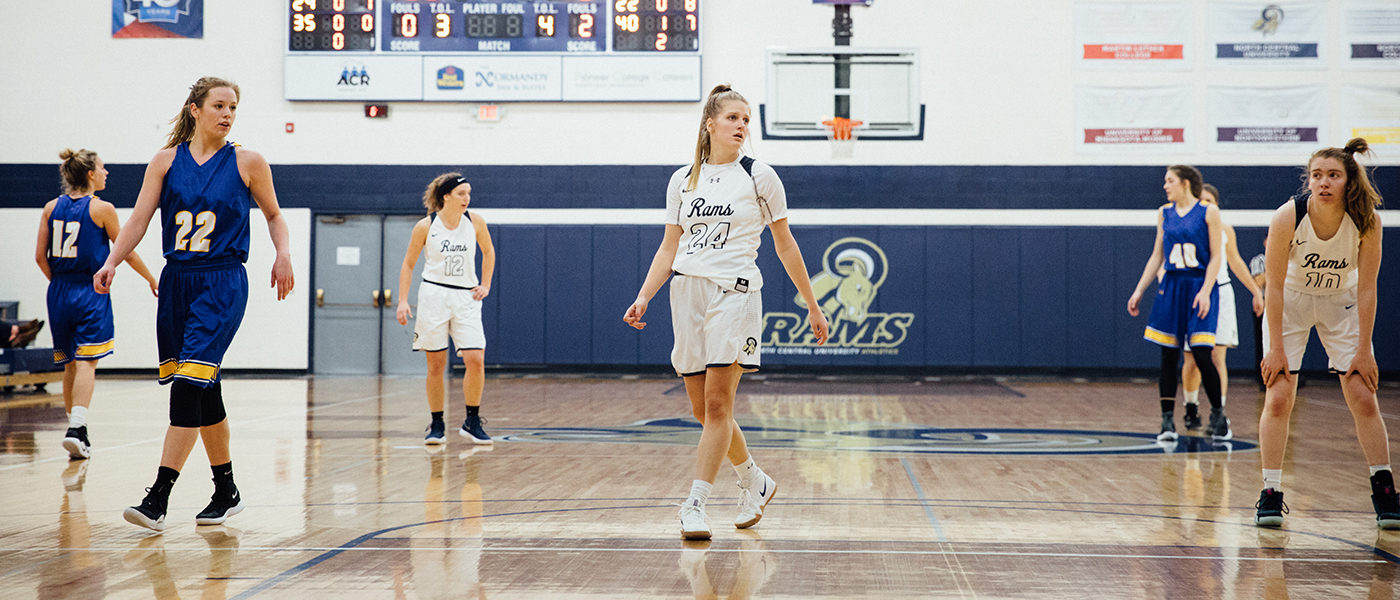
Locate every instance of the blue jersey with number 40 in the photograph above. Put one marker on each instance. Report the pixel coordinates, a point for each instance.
(204, 208)
(1185, 239)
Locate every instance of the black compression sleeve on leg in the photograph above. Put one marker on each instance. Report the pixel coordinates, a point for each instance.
(1210, 376)
(1166, 382)
(212, 405)
(185, 404)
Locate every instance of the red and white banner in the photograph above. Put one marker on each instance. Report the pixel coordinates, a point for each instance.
(1371, 36)
(1134, 35)
(1372, 113)
(1260, 34)
(1115, 120)
(1268, 120)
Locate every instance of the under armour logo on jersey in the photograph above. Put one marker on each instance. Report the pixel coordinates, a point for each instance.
(714, 180)
(750, 346)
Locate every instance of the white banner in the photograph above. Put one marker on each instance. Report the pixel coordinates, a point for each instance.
(1371, 36)
(1114, 120)
(353, 77)
(1372, 113)
(492, 77)
(1132, 35)
(1275, 120)
(1256, 34)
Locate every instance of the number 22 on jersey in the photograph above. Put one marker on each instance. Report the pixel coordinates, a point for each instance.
(199, 242)
(1183, 256)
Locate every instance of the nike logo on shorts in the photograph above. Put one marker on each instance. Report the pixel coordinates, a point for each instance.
(1349, 307)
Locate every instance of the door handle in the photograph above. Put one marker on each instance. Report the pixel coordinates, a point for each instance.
(320, 297)
(388, 298)
(375, 295)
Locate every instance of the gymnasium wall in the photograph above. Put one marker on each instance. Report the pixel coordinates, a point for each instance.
(988, 284)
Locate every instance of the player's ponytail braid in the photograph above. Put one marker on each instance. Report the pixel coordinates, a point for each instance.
(1361, 197)
(718, 96)
(184, 121)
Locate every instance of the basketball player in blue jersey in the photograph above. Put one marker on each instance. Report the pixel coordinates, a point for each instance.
(73, 237)
(449, 301)
(1227, 330)
(204, 187)
(1189, 236)
(716, 210)
(1323, 257)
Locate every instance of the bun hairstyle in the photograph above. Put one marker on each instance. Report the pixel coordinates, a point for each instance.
(75, 168)
(1190, 175)
(184, 121)
(1360, 197)
(432, 197)
(718, 96)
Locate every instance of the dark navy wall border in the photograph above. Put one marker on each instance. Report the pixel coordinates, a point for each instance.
(396, 188)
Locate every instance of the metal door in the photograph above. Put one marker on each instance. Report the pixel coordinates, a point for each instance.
(396, 341)
(348, 295)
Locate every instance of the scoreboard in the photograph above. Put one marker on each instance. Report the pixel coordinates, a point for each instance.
(493, 50)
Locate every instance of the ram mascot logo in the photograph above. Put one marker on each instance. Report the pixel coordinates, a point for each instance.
(1269, 19)
(853, 271)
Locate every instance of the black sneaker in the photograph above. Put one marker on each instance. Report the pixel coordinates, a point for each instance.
(437, 434)
(1270, 508)
(1385, 500)
(151, 513)
(471, 429)
(76, 443)
(225, 503)
(1168, 428)
(1192, 420)
(1220, 426)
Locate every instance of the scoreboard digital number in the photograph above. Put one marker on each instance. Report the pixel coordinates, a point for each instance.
(553, 26)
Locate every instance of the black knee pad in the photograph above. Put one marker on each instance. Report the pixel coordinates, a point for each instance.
(185, 404)
(211, 405)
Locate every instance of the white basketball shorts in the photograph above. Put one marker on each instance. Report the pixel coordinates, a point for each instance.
(444, 311)
(714, 327)
(1227, 327)
(1337, 321)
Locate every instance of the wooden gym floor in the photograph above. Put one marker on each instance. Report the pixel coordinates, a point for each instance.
(889, 488)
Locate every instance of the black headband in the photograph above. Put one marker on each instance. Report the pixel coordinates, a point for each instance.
(446, 187)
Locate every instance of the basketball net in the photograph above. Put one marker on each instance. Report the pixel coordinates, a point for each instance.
(841, 132)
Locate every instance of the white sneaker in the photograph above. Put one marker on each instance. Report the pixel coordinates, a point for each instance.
(693, 523)
(752, 502)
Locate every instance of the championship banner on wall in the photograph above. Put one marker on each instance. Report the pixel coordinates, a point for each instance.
(1114, 120)
(158, 18)
(1134, 35)
(1371, 36)
(1262, 34)
(1274, 120)
(1372, 113)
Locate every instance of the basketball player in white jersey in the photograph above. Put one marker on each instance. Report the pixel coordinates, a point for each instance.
(449, 299)
(716, 210)
(1325, 248)
(1227, 329)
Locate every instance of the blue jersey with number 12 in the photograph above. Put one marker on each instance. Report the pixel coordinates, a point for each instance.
(1186, 239)
(204, 208)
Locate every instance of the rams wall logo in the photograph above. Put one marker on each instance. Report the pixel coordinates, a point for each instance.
(1269, 20)
(450, 78)
(853, 271)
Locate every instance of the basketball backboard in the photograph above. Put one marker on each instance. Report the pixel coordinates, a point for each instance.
(881, 89)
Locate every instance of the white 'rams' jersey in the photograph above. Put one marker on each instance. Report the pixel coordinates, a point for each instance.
(722, 220)
(1321, 267)
(449, 255)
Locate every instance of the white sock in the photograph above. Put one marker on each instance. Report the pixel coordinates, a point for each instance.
(78, 418)
(747, 472)
(1192, 396)
(1222, 401)
(1273, 478)
(699, 493)
(1378, 468)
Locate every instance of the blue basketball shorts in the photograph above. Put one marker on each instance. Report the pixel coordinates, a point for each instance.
(1174, 322)
(198, 313)
(80, 319)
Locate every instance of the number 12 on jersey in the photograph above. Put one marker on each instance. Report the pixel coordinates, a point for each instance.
(702, 235)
